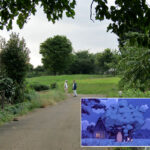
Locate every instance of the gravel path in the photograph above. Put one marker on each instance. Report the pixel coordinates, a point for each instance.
(53, 128)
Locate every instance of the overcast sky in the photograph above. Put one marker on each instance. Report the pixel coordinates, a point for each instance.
(82, 32)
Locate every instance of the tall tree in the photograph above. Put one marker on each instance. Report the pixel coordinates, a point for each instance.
(56, 53)
(14, 58)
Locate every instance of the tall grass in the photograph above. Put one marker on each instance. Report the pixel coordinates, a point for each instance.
(39, 100)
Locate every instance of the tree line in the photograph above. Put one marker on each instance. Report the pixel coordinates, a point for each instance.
(59, 58)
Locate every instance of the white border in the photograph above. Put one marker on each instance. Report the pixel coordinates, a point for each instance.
(106, 98)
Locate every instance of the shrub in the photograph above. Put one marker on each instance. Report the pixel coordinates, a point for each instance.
(135, 93)
(29, 92)
(6, 85)
(40, 87)
(53, 85)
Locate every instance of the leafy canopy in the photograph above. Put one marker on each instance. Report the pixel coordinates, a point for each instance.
(126, 15)
(23, 9)
(15, 58)
(56, 53)
(135, 62)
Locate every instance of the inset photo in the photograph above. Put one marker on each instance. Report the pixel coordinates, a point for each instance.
(115, 122)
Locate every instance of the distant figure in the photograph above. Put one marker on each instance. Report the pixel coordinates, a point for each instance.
(74, 88)
(66, 86)
(120, 93)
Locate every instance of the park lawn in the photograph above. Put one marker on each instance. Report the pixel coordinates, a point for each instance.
(87, 84)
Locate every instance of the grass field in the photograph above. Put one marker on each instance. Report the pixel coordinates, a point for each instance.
(87, 84)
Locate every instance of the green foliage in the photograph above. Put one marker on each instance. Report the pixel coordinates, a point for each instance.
(135, 93)
(39, 100)
(125, 16)
(6, 85)
(22, 9)
(38, 71)
(29, 92)
(39, 87)
(82, 63)
(56, 53)
(135, 66)
(53, 85)
(107, 62)
(14, 60)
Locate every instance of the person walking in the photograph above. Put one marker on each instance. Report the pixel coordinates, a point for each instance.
(66, 86)
(74, 88)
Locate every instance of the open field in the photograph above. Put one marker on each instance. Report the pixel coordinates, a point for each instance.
(87, 84)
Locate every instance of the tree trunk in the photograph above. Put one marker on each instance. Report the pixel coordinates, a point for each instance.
(3, 99)
(119, 137)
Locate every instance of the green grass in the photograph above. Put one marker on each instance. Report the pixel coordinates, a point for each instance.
(87, 84)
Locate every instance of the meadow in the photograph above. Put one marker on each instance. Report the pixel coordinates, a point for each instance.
(87, 84)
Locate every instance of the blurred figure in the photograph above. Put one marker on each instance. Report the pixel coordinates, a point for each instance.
(74, 88)
(66, 86)
(120, 93)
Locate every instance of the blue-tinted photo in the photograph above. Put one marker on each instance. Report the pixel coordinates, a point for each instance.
(115, 122)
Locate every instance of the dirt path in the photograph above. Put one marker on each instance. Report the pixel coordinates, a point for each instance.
(52, 128)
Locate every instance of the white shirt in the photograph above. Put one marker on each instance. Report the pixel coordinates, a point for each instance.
(66, 85)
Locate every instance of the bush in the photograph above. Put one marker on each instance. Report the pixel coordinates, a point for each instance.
(6, 85)
(29, 92)
(53, 85)
(135, 93)
(40, 87)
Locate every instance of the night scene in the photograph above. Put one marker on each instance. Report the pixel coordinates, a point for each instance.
(115, 122)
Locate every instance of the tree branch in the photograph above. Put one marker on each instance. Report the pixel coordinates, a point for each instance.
(91, 10)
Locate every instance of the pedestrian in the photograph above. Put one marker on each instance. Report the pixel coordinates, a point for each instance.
(66, 86)
(74, 88)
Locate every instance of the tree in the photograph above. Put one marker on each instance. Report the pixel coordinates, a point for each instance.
(124, 118)
(14, 59)
(125, 16)
(135, 63)
(105, 60)
(83, 63)
(56, 53)
(22, 9)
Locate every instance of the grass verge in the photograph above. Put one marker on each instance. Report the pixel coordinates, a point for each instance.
(39, 100)
(87, 84)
